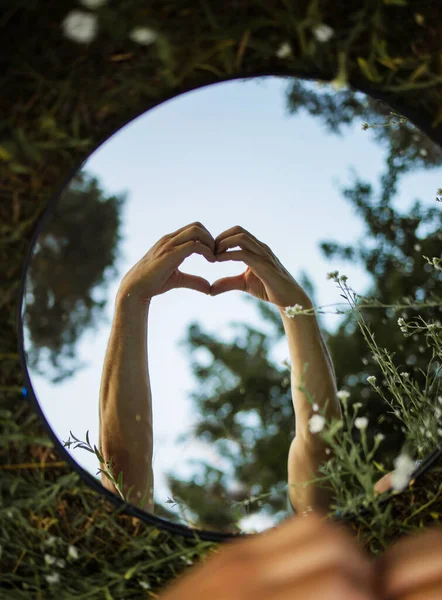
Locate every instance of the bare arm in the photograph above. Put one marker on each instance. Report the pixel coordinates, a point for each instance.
(307, 450)
(126, 431)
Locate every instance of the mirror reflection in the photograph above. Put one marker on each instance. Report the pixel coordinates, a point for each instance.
(182, 304)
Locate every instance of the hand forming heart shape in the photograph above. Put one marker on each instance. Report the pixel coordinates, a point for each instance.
(265, 277)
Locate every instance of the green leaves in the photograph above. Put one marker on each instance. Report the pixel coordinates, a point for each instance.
(369, 70)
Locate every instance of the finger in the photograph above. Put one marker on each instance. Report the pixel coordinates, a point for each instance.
(408, 565)
(236, 230)
(243, 240)
(249, 258)
(291, 533)
(227, 284)
(195, 231)
(329, 585)
(383, 484)
(305, 558)
(182, 251)
(193, 282)
(433, 591)
(197, 223)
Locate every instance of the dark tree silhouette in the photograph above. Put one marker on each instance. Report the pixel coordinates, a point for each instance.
(74, 258)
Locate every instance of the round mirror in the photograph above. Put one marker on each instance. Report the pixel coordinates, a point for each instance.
(213, 399)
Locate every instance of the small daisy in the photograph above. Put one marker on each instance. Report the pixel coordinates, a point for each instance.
(72, 552)
(54, 578)
(284, 50)
(291, 311)
(361, 422)
(80, 26)
(316, 423)
(323, 32)
(143, 35)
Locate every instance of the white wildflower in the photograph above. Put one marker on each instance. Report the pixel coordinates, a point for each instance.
(72, 552)
(423, 152)
(323, 32)
(315, 407)
(379, 436)
(143, 35)
(343, 395)
(439, 399)
(284, 50)
(417, 247)
(439, 431)
(357, 405)
(54, 578)
(144, 585)
(404, 466)
(80, 26)
(361, 422)
(61, 563)
(92, 4)
(437, 412)
(50, 541)
(327, 450)
(291, 311)
(401, 322)
(371, 379)
(316, 423)
(49, 560)
(405, 375)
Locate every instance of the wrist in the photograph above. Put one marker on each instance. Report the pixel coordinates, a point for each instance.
(300, 300)
(128, 303)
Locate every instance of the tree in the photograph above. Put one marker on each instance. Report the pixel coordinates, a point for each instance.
(74, 257)
(408, 146)
(241, 380)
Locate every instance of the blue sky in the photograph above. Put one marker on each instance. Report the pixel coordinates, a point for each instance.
(225, 155)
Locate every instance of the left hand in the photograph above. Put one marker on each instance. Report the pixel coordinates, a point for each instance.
(265, 277)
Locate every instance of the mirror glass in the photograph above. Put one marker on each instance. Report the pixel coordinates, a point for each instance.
(324, 180)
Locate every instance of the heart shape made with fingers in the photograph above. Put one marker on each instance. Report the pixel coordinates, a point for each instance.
(234, 274)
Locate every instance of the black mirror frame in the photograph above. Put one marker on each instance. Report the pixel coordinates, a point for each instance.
(435, 134)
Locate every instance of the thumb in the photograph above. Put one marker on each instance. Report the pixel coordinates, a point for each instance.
(193, 282)
(227, 284)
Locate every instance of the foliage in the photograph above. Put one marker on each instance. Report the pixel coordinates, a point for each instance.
(60, 306)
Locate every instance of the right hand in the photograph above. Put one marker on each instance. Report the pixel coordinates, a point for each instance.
(157, 272)
(304, 559)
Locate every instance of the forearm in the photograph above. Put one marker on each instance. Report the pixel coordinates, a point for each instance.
(126, 427)
(306, 345)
